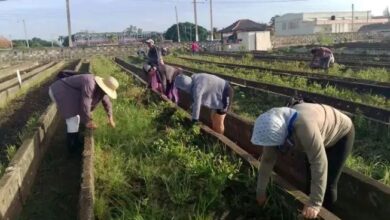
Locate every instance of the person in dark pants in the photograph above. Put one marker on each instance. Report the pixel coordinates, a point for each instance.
(322, 58)
(77, 96)
(154, 54)
(323, 133)
(208, 90)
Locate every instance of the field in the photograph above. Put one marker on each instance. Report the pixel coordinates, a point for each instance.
(165, 166)
(156, 164)
(371, 151)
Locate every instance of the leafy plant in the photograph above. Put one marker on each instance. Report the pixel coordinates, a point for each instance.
(371, 151)
(157, 165)
(11, 151)
(288, 81)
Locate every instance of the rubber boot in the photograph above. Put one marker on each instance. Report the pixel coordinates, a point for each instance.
(72, 142)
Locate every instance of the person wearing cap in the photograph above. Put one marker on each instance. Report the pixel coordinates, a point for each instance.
(77, 96)
(161, 79)
(322, 132)
(208, 90)
(322, 56)
(154, 54)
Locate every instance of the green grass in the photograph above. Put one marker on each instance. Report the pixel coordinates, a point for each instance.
(371, 153)
(375, 74)
(288, 81)
(157, 165)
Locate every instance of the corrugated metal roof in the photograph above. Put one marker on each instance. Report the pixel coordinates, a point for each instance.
(244, 25)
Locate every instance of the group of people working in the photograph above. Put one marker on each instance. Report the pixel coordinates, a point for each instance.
(322, 132)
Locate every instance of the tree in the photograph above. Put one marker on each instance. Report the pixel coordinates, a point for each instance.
(65, 42)
(34, 43)
(272, 21)
(131, 29)
(187, 32)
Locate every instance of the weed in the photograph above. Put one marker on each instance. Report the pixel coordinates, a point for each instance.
(157, 165)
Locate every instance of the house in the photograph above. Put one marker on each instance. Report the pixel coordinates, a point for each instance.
(324, 22)
(376, 29)
(246, 34)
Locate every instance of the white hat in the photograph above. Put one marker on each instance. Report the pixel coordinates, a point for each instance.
(183, 82)
(150, 41)
(109, 85)
(271, 127)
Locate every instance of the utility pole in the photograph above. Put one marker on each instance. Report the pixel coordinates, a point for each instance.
(211, 20)
(25, 33)
(353, 17)
(177, 26)
(12, 44)
(69, 26)
(196, 23)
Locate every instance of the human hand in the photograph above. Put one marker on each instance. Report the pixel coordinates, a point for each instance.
(111, 122)
(261, 199)
(91, 125)
(310, 212)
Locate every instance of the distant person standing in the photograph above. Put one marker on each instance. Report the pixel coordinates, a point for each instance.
(322, 58)
(208, 90)
(154, 54)
(194, 47)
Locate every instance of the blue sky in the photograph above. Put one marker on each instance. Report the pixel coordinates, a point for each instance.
(47, 18)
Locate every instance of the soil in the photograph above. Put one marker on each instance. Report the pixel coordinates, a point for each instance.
(14, 116)
(56, 189)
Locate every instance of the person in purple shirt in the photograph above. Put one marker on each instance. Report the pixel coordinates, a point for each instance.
(77, 96)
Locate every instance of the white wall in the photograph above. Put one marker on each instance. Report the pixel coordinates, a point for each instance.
(256, 40)
(310, 23)
(293, 24)
(263, 41)
(248, 40)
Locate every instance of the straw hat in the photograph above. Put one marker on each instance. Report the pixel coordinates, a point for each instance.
(109, 85)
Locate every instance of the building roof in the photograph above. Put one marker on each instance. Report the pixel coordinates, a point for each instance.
(244, 25)
(4, 43)
(375, 27)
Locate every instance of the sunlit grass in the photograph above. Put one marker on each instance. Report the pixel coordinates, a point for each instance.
(156, 165)
(288, 81)
(375, 74)
(371, 153)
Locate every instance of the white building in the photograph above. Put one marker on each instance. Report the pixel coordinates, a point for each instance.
(323, 22)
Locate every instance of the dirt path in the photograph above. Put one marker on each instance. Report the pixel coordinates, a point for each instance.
(56, 189)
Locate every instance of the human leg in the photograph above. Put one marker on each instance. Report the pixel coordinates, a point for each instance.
(73, 125)
(337, 155)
